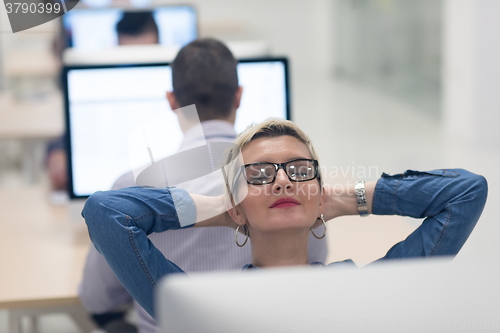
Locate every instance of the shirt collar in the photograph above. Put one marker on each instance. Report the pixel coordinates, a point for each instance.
(211, 130)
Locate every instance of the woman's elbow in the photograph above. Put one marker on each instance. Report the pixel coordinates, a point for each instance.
(474, 191)
(481, 191)
(478, 186)
(93, 208)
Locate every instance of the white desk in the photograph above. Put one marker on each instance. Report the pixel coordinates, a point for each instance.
(33, 124)
(31, 63)
(31, 120)
(42, 256)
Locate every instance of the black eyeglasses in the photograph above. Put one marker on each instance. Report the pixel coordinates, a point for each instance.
(299, 170)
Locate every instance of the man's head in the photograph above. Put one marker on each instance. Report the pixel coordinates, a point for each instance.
(137, 28)
(204, 74)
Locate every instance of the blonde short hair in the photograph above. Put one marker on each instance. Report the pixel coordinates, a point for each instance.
(269, 128)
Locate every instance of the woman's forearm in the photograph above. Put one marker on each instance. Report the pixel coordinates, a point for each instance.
(341, 200)
(212, 211)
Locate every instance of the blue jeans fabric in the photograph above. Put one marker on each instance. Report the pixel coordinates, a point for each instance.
(451, 201)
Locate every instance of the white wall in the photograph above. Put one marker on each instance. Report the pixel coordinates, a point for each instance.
(488, 71)
(302, 30)
(471, 76)
(471, 107)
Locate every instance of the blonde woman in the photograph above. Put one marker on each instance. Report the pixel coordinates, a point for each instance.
(283, 201)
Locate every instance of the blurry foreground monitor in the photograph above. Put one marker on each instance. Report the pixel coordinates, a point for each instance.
(393, 296)
(105, 104)
(94, 29)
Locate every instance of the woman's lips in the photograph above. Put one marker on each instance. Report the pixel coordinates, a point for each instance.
(284, 202)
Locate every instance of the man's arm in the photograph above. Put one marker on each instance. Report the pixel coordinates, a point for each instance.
(100, 290)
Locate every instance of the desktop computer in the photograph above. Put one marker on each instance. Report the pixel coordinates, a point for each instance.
(95, 28)
(104, 104)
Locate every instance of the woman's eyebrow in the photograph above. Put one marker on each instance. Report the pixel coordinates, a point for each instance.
(288, 160)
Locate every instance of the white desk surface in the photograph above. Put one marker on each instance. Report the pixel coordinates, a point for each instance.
(31, 120)
(31, 63)
(42, 253)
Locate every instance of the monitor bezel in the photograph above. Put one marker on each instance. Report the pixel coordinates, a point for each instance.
(64, 80)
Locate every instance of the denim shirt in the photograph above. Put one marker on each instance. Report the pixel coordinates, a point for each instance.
(451, 201)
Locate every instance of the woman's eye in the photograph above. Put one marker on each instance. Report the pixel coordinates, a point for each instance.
(299, 172)
(299, 175)
(262, 177)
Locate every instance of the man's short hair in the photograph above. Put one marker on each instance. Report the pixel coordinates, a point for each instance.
(136, 23)
(204, 74)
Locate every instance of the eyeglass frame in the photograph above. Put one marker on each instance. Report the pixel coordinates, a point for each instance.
(278, 166)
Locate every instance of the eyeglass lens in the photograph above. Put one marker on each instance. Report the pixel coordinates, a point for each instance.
(265, 173)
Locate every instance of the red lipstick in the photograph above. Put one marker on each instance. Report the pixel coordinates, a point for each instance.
(284, 202)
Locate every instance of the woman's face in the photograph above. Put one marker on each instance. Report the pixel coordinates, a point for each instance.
(261, 209)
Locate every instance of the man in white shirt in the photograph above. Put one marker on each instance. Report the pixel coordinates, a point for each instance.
(204, 74)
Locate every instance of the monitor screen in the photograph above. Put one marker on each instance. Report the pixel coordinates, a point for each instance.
(105, 104)
(93, 29)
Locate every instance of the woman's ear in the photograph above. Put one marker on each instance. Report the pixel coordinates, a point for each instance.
(237, 215)
(322, 199)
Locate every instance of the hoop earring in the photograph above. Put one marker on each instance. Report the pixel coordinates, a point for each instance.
(236, 235)
(322, 218)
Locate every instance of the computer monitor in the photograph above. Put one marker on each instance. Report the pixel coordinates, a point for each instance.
(94, 29)
(105, 104)
(428, 295)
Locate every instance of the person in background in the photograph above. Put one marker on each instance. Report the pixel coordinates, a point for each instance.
(134, 28)
(56, 164)
(137, 28)
(203, 73)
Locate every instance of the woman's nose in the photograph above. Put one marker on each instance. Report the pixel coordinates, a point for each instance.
(282, 181)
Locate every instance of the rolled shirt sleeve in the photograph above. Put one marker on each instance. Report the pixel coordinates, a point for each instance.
(184, 206)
